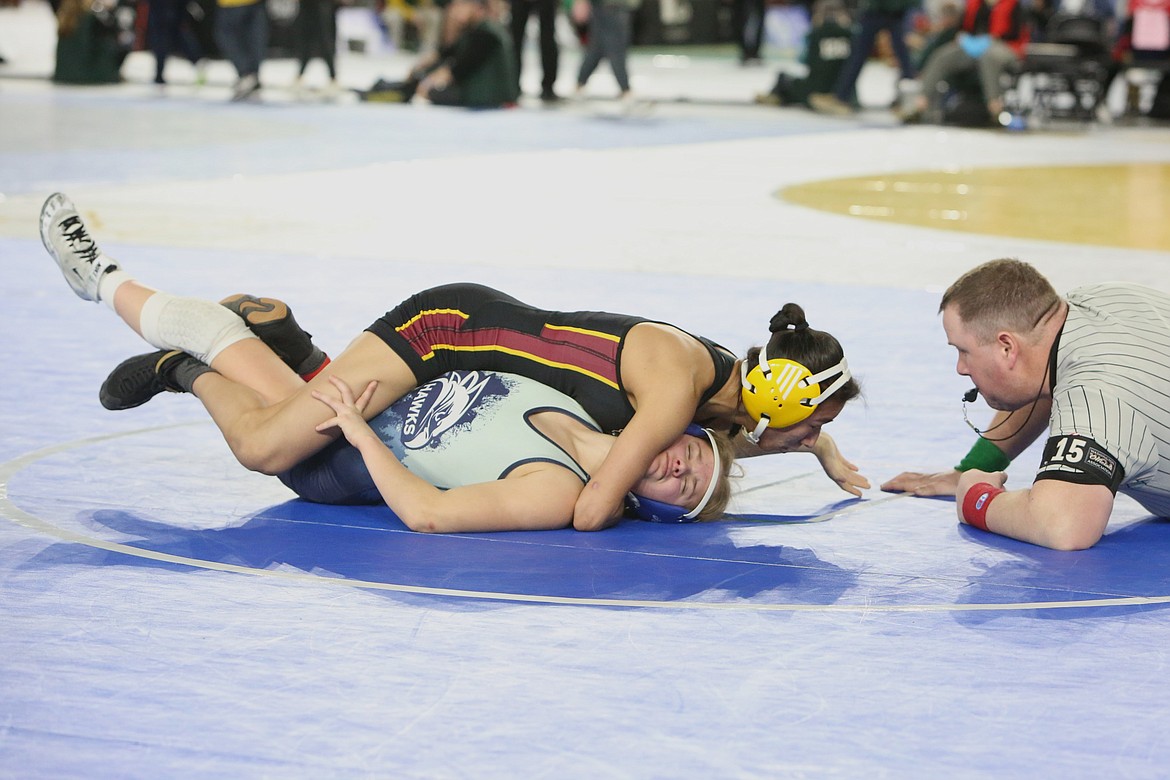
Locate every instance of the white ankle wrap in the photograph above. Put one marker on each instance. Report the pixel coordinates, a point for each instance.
(108, 285)
(198, 327)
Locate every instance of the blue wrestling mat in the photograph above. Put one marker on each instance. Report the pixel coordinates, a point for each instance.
(763, 563)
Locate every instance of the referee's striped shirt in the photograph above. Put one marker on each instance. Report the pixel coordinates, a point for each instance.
(1112, 383)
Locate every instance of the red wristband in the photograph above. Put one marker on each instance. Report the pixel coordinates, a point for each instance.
(976, 501)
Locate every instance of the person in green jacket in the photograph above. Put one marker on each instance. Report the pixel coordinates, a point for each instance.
(826, 49)
(89, 46)
(876, 15)
(473, 67)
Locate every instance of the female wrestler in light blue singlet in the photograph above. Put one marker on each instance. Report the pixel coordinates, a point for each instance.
(469, 428)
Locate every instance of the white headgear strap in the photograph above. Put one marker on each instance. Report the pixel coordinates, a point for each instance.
(716, 473)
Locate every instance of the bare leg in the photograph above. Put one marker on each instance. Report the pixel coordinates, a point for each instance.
(255, 366)
(249, 362)
(268, 429)
(265, 411)
(271, 438)
(128, 303)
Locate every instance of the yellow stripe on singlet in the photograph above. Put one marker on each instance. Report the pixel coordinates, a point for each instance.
(422, 314)
(523, 354)
(584, 332)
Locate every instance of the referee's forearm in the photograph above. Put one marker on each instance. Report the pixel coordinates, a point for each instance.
(1056, 515)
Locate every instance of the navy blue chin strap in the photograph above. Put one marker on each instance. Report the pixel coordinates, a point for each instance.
(653, 511)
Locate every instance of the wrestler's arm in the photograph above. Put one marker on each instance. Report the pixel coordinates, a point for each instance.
(662, 368)
(536, 497)
(540, 500)
(1052, 513)
(837, 467)
(651, 431)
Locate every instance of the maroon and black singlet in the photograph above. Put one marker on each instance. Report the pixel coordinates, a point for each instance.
(473, 327)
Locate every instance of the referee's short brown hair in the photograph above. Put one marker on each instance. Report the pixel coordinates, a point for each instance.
(1005, 294)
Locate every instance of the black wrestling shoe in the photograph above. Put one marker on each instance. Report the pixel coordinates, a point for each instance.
(273, 323)
(138, 379)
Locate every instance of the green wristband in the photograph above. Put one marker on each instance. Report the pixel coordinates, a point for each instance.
(984, 456)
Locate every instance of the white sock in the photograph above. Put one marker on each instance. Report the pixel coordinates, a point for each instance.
(198, 327)
(109, 284)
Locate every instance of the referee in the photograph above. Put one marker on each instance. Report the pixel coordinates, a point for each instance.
(1093, 367)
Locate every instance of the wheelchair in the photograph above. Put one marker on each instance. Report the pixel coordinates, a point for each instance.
(1065, 76)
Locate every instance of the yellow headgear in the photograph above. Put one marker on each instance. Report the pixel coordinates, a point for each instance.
(780, 392)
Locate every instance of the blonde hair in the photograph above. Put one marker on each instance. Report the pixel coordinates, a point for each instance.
(721, 497)
(1005, 294)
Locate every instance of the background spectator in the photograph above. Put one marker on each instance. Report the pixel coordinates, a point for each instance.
(241, 30)
(549, 50)
(93, 38)
(826, 49)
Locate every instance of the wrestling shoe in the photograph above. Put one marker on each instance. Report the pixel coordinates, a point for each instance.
(68, 241)
(273, 323)
(140, 378)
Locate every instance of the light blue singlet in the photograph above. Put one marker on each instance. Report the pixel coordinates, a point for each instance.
(463, 428)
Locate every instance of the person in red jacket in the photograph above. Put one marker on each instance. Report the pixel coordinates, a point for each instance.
(990, 42)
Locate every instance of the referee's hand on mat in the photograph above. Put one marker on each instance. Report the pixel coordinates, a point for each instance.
(943, 483)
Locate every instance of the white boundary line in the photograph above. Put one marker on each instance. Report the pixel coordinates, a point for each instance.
(14, 513)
